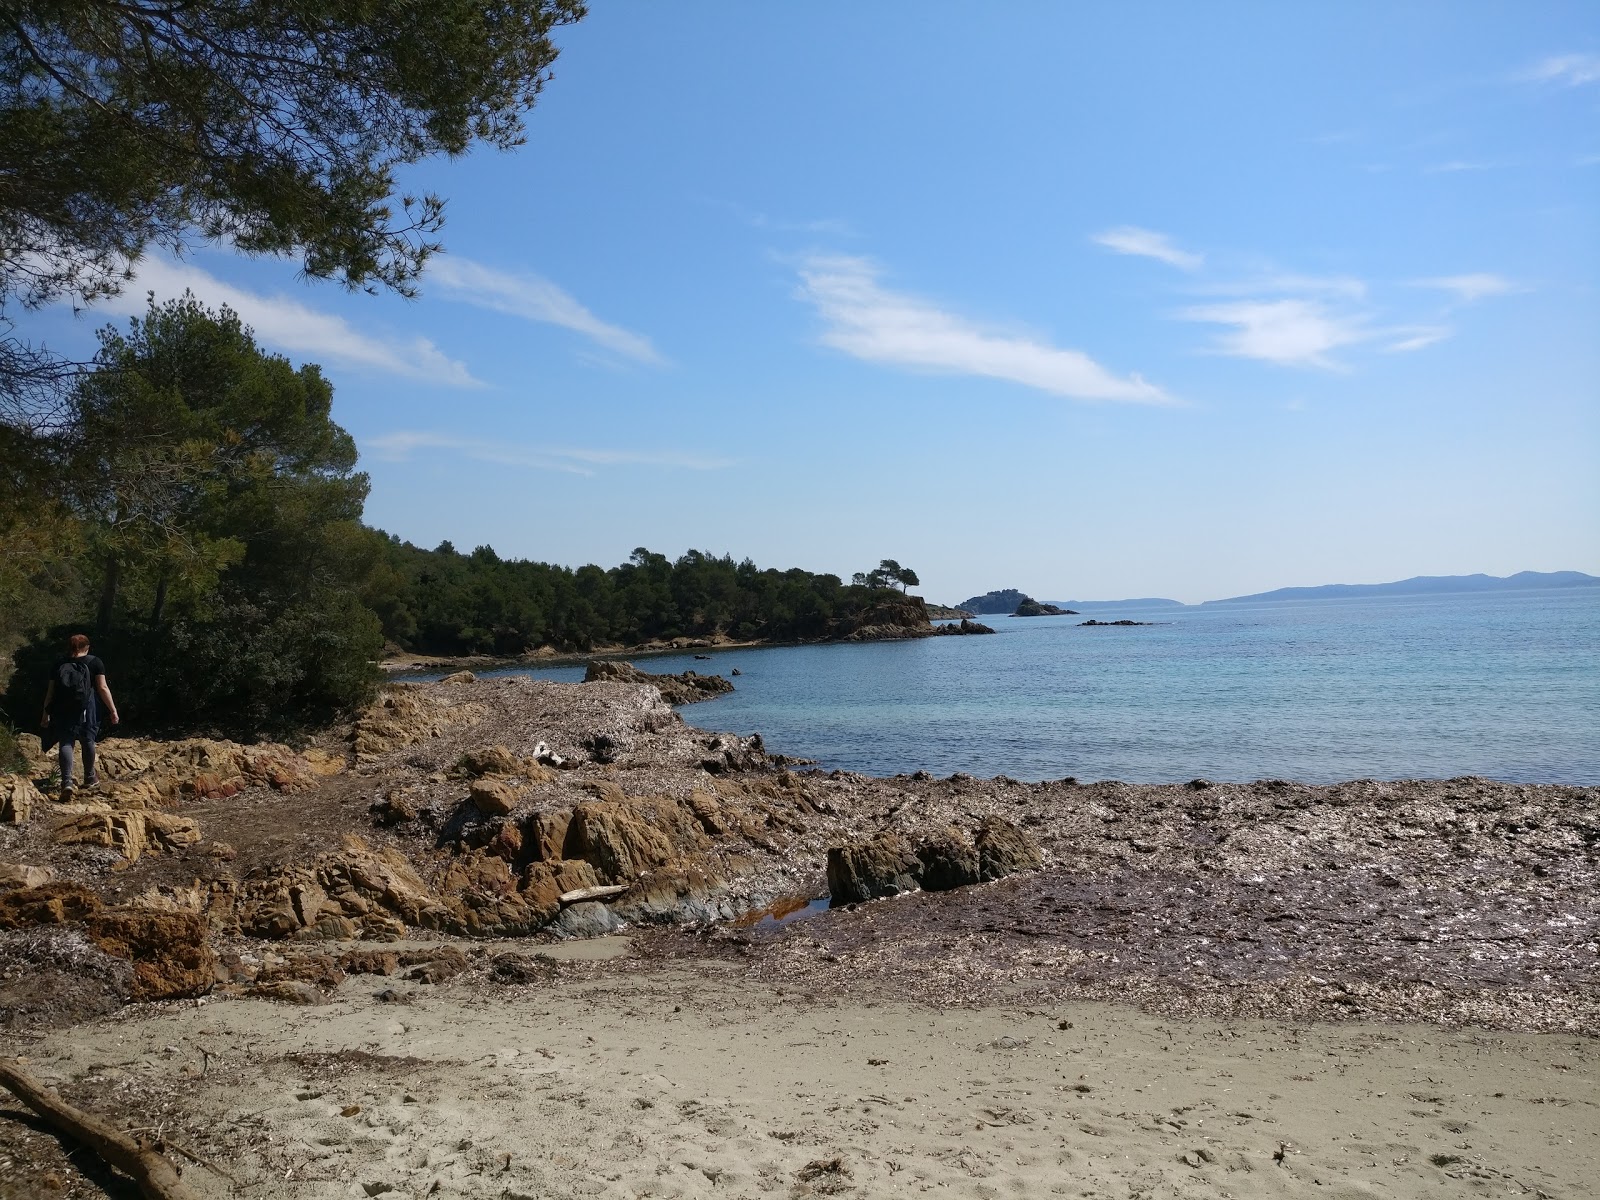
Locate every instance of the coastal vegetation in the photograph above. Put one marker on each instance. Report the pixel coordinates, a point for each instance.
(198, 510)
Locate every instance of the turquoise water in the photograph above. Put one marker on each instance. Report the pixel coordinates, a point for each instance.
(1506, 686)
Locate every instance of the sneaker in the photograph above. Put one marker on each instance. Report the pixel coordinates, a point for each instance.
(65, 797)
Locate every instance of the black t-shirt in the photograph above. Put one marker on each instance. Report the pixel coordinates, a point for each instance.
(62, 702)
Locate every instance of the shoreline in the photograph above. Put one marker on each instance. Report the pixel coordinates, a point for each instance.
(1185, 953)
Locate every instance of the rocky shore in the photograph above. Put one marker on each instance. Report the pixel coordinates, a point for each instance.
(458, 844)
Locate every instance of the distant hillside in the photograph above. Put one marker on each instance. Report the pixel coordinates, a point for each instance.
(1004, 602)
(1104, 605)
(1427, 585)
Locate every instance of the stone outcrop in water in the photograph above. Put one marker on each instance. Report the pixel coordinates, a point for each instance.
(1038, 608)
(684, 688)
(896, 619)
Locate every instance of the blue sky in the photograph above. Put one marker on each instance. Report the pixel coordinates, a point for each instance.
(1093, 301)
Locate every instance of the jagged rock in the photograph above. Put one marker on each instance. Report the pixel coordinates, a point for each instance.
(545, 834)
(685, 688)
(18, 799)
(493, 797)
(882, 866)
(130, 833)
(322, 970)
(51, 903)
(585, 921)
(949, 860)
(679, 891)
(171, 952)
(21, 875)
(612, 839)
(393, 809)
(1003, 849)
(370, 962)
(506, 842)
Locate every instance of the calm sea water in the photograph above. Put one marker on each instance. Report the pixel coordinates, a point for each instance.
(1506, 686)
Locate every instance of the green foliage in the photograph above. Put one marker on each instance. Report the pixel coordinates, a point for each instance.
(221, 517)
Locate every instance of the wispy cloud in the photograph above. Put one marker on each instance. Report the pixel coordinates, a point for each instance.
(286, 324)
(402, 445)
(870, 322)
(1470, 287)
(1459, 164)
(1296, 332)
(535, 299)
(1574, 70)
(1417, 337)
(1341, 287)
(1147, 243)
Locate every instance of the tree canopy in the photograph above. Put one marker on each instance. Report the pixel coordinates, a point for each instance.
(275, 125)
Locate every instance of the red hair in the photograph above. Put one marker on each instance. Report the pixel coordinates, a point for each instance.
(78, 643)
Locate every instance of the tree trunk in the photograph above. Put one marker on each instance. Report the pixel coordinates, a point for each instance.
(108, 594)
(159, 607)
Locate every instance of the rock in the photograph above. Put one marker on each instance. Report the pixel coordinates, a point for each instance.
(1003, 849)
(393, 809)
(18, 799)
(50, 903)
(488, 760)
(544, 883)
(881, 866)
(612, 839)
(493, 797)
(678, 892)
(286, 991)
(370, 962)
(1107, 624)
(130, 833)
(1037, 608)
(460, 677)
(949, 860)
(170, 951)
(585, 921)
(521, 969)
(435, 964)
(545, 833)
(686, 688)
(21, 875)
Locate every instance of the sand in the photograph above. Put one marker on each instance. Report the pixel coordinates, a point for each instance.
(616, 1079)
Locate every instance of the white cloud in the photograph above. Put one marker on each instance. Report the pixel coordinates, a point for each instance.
(1130, 239)
(1459, 164)
(1417, 337)
(1573, 70)
(1294, 332)
(400, 445)
(1343, 287)
(872, 323)
(1468, 288)
(534, 299)
(287, 324)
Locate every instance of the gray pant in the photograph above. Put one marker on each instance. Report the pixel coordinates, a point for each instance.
(64, 754)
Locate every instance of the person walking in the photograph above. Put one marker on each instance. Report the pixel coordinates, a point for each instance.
(71, 712)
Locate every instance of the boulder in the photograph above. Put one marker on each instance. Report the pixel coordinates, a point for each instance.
(949, 860)
(680, 891)
(1003, 849)
(684, 688)
(545, 833)
(585, 921)
(612, 839)
(286, 991)
(493, 797)
(460, 677)
(171, 952)
(22, 875)
(488, 760)
(130, 833)
(881, 866)
(50, 903)
(18, 799)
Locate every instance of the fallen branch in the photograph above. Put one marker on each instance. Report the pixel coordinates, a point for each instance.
(157, 1178)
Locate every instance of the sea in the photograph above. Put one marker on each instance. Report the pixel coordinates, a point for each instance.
(1408, 687)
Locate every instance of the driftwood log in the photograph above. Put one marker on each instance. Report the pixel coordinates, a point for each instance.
(157, 1178)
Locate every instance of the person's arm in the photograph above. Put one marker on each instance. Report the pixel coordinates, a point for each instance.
(105, 694)
(49, 695)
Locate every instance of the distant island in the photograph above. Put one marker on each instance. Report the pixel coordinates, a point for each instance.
(997, 603)
(1427, 585)
(1103, 605)
(1035, 608)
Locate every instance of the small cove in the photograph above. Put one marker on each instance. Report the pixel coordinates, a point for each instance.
(1505, 686)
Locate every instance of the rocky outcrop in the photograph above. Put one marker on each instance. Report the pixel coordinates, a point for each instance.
(1105, 624)
(18, 799)
(887, 865)
(684, 688)
(1038, 608)
(408, 713)
(897, 619)
(170, 951)
(882, 866)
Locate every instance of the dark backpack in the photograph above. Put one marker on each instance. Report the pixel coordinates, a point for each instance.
(74, 686)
